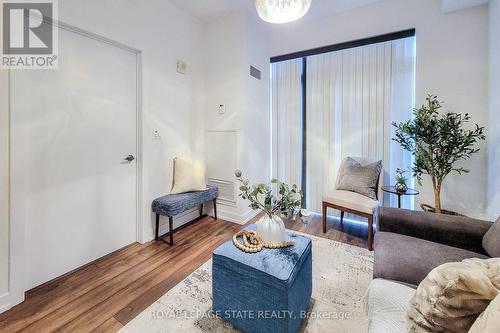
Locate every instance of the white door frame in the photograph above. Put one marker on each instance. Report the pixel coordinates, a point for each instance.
(17, 255)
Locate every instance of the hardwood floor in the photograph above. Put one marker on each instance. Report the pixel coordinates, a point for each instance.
(353, 230)
(109, 292)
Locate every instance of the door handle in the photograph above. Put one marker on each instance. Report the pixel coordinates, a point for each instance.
(129, 158)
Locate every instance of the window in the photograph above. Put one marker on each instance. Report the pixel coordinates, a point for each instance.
(341, 103)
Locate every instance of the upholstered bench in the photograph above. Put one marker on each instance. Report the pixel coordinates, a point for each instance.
(265, 291)
(174, 204)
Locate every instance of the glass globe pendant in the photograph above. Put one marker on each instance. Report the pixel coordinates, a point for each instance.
(282, 11)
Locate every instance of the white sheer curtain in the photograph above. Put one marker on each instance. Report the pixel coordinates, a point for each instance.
(353, 95)
(287, 121)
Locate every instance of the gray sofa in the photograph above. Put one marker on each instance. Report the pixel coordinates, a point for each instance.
(408, 245)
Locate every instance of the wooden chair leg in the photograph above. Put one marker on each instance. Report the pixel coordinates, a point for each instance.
(341, 216)
(157, 225)
(215, 208)
(370, 233)
(171, 229)
(324, 217)
(201, 210)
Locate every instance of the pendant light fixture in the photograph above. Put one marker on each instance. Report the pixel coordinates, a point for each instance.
(282, 11)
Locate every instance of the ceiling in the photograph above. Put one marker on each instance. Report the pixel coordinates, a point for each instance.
(448, 6)
(209, 10)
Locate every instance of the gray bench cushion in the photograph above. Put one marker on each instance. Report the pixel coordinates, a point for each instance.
(173, 204)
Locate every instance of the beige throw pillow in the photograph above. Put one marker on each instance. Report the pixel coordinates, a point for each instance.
(453, 295)
(188, 176)
(489, 320)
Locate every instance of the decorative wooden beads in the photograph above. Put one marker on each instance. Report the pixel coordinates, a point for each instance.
(253, 243)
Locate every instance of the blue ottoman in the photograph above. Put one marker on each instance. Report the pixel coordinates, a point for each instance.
(265, 291)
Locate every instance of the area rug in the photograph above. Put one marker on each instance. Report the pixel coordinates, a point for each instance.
(341, 275)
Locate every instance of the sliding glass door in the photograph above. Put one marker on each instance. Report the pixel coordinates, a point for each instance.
(343, 105)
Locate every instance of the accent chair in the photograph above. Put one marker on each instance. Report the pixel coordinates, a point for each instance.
(352, 202)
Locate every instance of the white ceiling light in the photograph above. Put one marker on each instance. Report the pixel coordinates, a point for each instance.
(282, 11)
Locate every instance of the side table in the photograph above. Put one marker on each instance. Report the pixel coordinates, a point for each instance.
(392, 190)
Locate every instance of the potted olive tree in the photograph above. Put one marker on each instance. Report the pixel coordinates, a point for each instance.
(438, 141)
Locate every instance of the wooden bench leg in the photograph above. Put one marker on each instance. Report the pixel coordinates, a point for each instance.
(157, 225)
(171, 229)
(370, 233)
(324, 217)
(215, 208)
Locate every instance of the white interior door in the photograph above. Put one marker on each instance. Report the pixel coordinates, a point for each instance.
(71, 130)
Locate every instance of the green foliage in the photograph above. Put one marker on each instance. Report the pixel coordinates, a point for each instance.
(400, 177)
(438, 141)
(287, 203)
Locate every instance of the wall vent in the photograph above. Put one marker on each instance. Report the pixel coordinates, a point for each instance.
(227, 194)
(254, 72)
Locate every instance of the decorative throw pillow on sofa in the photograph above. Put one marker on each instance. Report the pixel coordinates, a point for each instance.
(489, 320)
(188, 176)
(362, 179)
(491, 240)
(453, 295)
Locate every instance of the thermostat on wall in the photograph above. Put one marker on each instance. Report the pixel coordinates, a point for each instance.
(181, 67)
(221, 108)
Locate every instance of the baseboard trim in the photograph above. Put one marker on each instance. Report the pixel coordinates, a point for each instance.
(4, 308)
(5, 303)
(235, 217)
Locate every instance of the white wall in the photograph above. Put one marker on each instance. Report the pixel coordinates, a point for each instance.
(172, 102)
(256, 120)
(224, 72)
(225, 85)
(230, 48)
(451, 63)
(494, 110)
